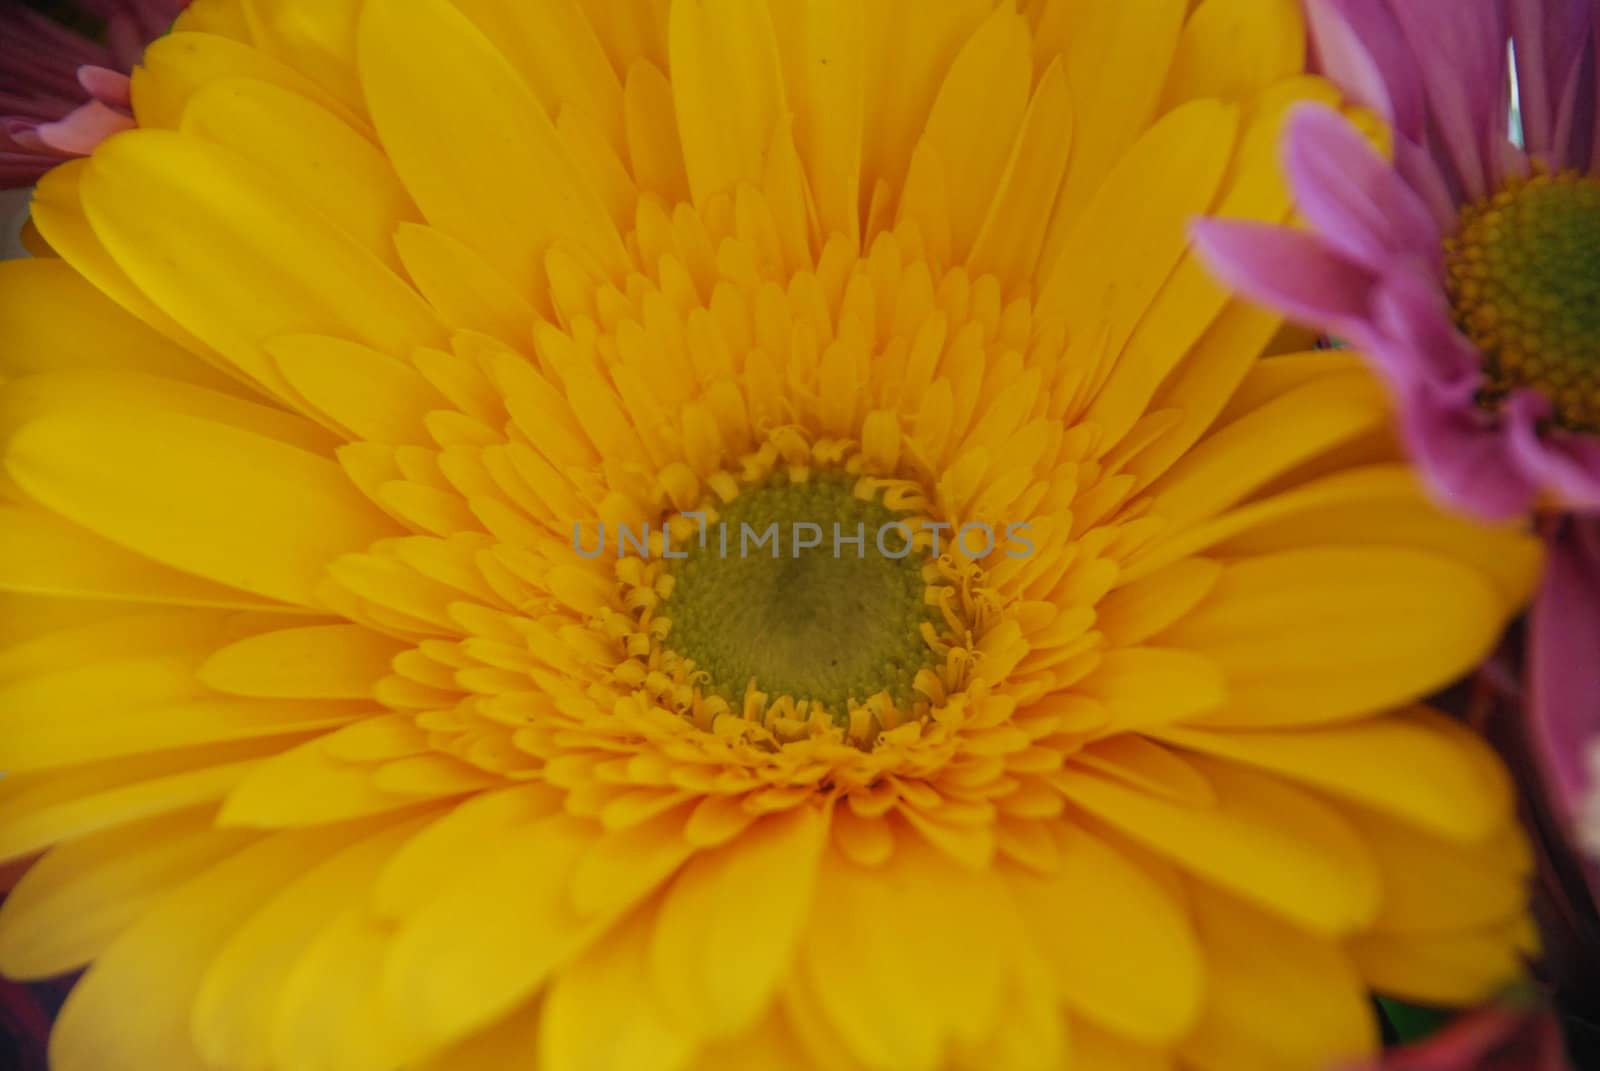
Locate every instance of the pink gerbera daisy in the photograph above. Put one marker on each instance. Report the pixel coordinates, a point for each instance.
(1467, 268)
(64, 79)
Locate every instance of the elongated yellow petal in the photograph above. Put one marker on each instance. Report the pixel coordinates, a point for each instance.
(1457, 968)
(1263, 840)
(319, 162)
(163, 957)
(169, 207)
(211, 499)
(718, 954)
(581, 1028)
(487, 142)
(40, 552)
(39, 809)
(1277, 998)
(1235, 48)
(473, 953)
(1121, 947)
(238, 994)
(75, 901)
(1361, 652)
(326, 661)
(728, 87)
(1411, 767)
(38, 296)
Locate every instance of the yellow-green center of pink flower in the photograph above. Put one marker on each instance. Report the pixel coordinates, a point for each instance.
(1523, 274)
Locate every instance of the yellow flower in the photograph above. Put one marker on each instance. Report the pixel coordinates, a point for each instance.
(348, 754)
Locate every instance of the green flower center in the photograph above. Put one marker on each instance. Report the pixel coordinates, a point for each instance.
(1523, 273)
(805, 590)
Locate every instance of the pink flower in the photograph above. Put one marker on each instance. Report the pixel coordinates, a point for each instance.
(1491, 1039)
(1468, 270)
(62, 93)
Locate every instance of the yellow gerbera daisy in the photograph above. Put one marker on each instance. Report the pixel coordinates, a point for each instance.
(352, 753)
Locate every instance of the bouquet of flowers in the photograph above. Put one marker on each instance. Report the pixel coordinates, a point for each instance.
(800, 535)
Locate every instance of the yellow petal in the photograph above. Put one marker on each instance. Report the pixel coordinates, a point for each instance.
(170, 208)
(1380, 504)
(322, 661)
(1361, 652)
(179, 64)
(310, 784)
(57, 208)
(1010, 240)
(40, 552)
(162, 958)
(318, 162)
(886, 930)
(38, 296)
(975, 119)
(1264, 840)
(1245, 454)
(584, 1028)
(1436, 887)
(463, 287)
(39, 809)
(825, 53)
(238, 994)
(1417, 769)
(1123, 952)
(318, 41)
(1277, 998)
(1236, 48)
(466, 834)
(727, 87)
(1094, 1049)
(207, 498)
(1145, 686)
(1116, 59)
(1131, 238)
(719, 953)
(75, 901)
(370, 394)
(473, 953)
(1460, 968)
(486, 142)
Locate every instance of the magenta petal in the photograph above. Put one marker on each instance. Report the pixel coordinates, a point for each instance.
(1564, 672)
(107, 86)
(1561, 462)
(1461, 52)
(1410, 311)
(1549, 37)
(85, 128)
(1350, 193)
(1462, 456)
(1493, 1038)
(1359, 46)
(1288, 270)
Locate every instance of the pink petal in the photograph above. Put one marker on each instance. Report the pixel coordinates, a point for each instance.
(1496, 1038)
(1359, 46)
(107, 86)
(1351, 194)
(1549, 36)
(1410, 311)
(1460, 50)
(1291, 271)
(85, 128)
(1564, 673)
(1563, 463)
(1462, 456)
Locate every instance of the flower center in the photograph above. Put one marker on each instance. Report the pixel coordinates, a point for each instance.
(1523, 273)
(801, 588)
